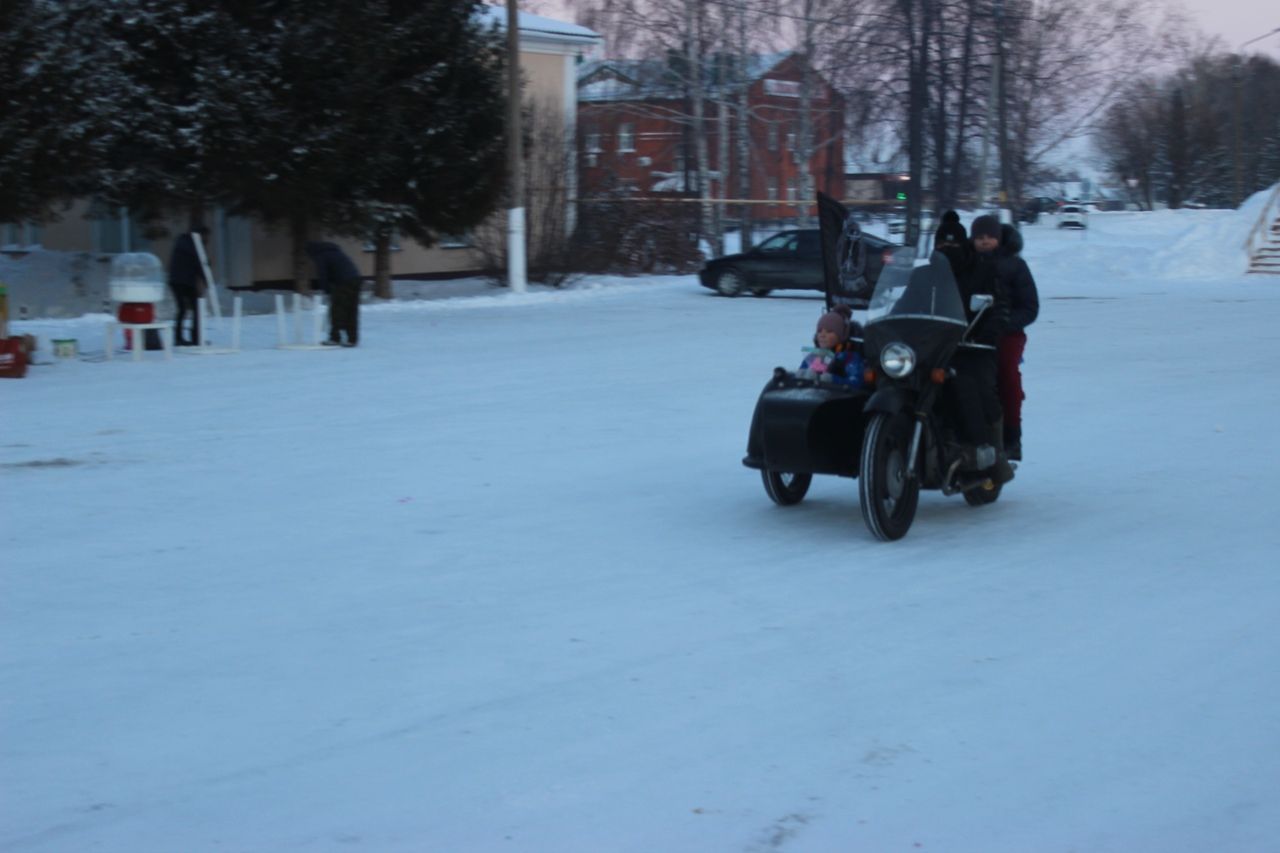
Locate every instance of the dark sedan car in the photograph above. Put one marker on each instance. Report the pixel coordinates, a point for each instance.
(790, 260)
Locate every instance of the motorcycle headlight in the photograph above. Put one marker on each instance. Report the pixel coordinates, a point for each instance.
(897, 360)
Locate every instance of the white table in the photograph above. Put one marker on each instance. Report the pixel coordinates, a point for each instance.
(165, 328)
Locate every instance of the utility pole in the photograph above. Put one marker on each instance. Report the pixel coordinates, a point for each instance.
(694, 18)
(744, 129)
(917, 25)
(1002, 113)
(802, 156)
(515, 158)
(993, 110)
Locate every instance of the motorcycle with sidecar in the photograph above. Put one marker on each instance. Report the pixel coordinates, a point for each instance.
(899, 430)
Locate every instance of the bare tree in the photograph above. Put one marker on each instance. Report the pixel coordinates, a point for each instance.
(1129, 133)
(1065, 64)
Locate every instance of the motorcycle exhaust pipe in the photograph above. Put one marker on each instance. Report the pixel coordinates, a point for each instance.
(952, 486)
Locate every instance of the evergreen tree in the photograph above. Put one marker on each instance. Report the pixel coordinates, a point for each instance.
(163, 148)
(428, 118)
(50, 99)
(373, 115)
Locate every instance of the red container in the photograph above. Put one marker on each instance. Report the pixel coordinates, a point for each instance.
(135, 312)
(13, 359)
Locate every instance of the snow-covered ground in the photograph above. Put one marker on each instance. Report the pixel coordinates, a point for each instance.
(497, 581)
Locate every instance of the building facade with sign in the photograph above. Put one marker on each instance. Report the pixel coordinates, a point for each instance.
(636, 132)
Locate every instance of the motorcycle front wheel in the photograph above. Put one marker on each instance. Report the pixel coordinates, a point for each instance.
(888, 496)
(786, 489)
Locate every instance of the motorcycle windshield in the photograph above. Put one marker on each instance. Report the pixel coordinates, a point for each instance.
(916, 303)
(915, 289)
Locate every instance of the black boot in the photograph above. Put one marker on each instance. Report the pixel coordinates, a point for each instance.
(1001, 471)
(1013, 442)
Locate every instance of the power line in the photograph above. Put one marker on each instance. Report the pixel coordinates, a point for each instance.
(1261, 37)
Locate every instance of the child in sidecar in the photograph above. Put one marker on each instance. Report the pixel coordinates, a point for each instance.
(834, 357)
(811, 421)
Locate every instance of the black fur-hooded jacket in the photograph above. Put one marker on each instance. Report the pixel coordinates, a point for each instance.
(1006, 276)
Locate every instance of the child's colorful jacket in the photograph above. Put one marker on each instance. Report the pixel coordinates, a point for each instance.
(843, 364)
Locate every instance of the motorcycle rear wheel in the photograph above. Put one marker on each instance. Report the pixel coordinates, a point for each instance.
(888, 496)
(784, 488)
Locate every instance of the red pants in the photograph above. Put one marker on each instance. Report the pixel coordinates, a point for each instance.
(1009, 376)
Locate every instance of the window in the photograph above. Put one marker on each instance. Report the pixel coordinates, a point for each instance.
(773, 137)
(791, 189)
(782, 88)
(19, 235)
(627, 137)
(371, 245)
(791, 140)
(113, 230)
(593, 142)
(780, 243)
(455, 241)
(771, 189)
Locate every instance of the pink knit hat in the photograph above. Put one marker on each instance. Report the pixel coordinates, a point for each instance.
(834, 321)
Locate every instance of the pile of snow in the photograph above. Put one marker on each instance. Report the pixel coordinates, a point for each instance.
(496, 580)
(1172, 245)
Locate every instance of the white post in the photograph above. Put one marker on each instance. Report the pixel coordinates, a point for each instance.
(317, 318)
(515, 158)
(516, 278)
(282, 333)
(236, 311)
(308, 314)
(212, 293)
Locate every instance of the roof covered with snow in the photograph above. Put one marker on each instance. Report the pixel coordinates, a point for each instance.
(541, 27)
(644, 79)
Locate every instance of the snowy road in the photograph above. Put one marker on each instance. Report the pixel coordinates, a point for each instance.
(496, 581)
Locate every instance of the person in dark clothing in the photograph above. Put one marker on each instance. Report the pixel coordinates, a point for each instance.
(338, 276)
(970, 394)
(951, 240)
(186, 280)
(989, 270)
(999, 269)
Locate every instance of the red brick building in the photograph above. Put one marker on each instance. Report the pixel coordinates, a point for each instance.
(635, 134)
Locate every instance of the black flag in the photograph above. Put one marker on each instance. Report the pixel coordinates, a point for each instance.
(844, 260)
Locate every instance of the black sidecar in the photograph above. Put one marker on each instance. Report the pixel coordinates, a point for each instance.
(802, 427)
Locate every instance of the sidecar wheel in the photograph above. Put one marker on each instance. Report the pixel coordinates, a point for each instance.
(730, 283)
(887, 495)
(982, 496)
(784, 488)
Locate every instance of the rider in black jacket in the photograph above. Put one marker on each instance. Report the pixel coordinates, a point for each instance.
(997, 268)
(992, 267)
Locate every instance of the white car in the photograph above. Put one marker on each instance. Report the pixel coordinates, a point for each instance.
(1072, 216)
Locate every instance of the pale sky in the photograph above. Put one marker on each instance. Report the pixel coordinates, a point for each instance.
(1237, 21)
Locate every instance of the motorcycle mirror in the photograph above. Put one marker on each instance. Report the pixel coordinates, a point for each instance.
(980, 302)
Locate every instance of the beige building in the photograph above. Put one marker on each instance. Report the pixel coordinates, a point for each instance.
(246, 253)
